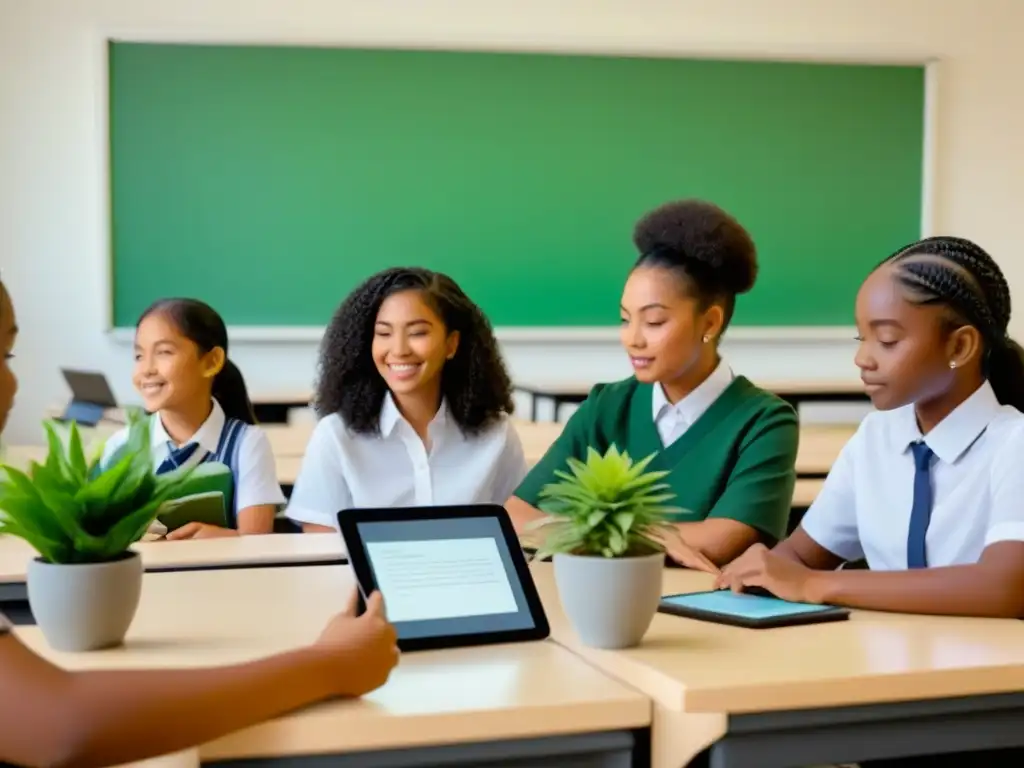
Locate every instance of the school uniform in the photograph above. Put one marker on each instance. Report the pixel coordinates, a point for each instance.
(899, 500)
(242, 447)
(729, 447)
(343, 469)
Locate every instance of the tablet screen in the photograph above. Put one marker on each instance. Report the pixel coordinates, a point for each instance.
(742, 606)
(446, 576)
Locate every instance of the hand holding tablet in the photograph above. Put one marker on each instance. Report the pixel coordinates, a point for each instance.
(450, 576)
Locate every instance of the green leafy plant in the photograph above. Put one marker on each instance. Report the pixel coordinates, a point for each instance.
(609, 506)
(72, 509)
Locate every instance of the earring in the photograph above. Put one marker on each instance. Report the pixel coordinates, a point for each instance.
(952, 363)
(706, 338)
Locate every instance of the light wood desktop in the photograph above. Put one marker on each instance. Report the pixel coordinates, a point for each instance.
(704, 676)
(819, 444)
(793, 391)
(497, 694)
(275, 549)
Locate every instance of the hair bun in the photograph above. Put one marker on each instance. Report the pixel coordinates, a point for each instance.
(696, 234)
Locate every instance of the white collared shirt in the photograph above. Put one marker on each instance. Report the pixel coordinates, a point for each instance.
(672, 420)
(863, 510)
(256, 483)
(343, 469)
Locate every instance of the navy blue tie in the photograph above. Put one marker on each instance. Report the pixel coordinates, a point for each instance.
(176, 458)
(921, 512)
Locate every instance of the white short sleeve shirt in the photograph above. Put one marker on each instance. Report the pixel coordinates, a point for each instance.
(256, 483)
(342, 469)
(863, 509)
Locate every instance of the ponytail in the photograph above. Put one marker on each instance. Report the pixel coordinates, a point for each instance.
(230, 391)
(1006, 373)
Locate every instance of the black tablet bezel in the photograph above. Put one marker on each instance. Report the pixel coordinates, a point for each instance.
(828, 613)
(349, 520)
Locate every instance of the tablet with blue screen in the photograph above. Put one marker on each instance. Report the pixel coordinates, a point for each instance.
(748, 610)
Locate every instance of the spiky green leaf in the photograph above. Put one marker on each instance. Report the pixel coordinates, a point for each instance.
(74, 510)
(607, 506)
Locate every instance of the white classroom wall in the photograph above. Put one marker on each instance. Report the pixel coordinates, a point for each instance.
(53, 247)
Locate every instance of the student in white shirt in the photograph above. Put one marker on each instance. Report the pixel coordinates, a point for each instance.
(201, 412)
(415, 403)
(50, 716)
(930, 490)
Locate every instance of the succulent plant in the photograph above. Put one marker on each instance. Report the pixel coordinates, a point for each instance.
(606, 506)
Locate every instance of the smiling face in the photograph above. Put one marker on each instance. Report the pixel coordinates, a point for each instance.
(8, 335)
(170, 370)
(662, 328)
(905, 349)
(411, 344)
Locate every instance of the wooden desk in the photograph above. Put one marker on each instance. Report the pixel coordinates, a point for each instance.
(795, 392)
(819, 448)
(876, 686)
(558, 392)
(536, 702)
(805, 492)
(272, 407)
(274, 550)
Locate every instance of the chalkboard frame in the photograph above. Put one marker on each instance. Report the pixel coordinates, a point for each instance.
(870, 54)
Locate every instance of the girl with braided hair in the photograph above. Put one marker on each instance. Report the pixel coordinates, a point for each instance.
(929, 491)
(729, 447)
(414, 400)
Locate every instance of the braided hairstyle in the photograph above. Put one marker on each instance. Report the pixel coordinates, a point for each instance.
(475, 382)
(705, 246)
(959, 275)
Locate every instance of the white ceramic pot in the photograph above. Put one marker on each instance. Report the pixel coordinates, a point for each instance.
(85, 607)
(609, 601)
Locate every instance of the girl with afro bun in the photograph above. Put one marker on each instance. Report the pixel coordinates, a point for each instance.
(728, 446)
(414, 400)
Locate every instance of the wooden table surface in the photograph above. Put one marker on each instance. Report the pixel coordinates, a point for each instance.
(197, 619)
(870, 658)
(233, 551)
(789, 387)
(709, 671)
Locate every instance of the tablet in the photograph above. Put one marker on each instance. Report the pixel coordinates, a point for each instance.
(450, 576)
(90, 397)
(747, 610)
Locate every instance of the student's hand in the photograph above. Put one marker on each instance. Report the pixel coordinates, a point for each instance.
(759, 567)
(364, 648)
(686, 555)
(199, 531)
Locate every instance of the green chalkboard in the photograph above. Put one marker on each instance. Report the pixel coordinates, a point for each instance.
(270, 180)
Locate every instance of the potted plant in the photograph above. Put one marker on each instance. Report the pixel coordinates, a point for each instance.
(605, 527)
(82, 518)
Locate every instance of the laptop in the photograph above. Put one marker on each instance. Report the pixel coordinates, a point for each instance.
(91, 397)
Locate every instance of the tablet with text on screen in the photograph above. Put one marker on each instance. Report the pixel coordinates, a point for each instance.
(450, 576)
(748, 610)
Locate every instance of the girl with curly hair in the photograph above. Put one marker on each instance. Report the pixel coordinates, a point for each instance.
(414, 400)
(728, 446)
